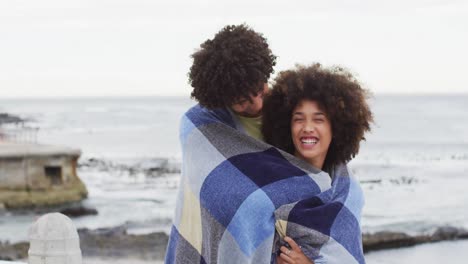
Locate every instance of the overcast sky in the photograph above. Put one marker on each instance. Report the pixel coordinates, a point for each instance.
(141, 47)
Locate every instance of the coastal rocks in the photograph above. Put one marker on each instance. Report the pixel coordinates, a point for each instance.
(115, 242)
(386, 240)
(105, 242)
(6, 118)
(13, 251)
(449, 233)
(78, 211)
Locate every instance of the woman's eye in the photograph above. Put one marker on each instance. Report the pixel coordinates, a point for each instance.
(319, 120)
(297, 119)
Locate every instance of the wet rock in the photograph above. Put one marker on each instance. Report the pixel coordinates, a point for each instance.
(115, 242)
(78, 211)
(371, 181)
(13, 251)
(6, 118)
(104, 242)
(384, 240)
(158, 166)
(449, 233)
(387, 240)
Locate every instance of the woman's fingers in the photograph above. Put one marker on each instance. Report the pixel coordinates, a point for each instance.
(285, 250)
(293, 244)
(295, 254)
(286, 254)
(286, 258)
(279, 260)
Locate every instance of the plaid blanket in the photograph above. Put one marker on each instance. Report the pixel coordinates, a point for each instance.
(235, 191)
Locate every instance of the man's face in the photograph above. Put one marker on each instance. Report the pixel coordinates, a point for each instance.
(252, 107)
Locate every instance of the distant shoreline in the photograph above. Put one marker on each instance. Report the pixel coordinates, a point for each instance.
(187, 96)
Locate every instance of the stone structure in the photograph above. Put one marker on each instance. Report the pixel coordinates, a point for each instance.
(53, 239)
(33, 175)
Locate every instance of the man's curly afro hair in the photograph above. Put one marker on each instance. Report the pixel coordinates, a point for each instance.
(337, 92)
(233, 65)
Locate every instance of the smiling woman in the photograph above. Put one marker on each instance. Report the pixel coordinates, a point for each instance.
(308, 105)
(320, 116)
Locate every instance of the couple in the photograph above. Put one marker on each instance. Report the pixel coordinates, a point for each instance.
(264, 175)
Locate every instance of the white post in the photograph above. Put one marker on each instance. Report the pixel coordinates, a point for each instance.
(54, 240)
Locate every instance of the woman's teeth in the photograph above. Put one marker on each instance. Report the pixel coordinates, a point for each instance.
(309, 141)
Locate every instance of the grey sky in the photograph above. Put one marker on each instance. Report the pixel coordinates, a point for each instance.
(138, 47)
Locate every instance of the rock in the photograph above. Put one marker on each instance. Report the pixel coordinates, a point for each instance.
(383, 240)
(78, 211)
(449, 233)
(7, 118)
(104, 243)
(14, 251)
(106, 232)
(386, 240)
(115, 242)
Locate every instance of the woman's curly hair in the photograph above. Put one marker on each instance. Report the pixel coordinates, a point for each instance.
(337, 92)
(232, 66)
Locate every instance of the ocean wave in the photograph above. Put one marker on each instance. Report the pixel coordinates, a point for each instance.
(152, 167)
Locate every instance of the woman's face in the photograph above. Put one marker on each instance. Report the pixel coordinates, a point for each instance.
(311, 132)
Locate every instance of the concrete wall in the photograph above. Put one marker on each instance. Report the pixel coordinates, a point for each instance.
(29, 173)
(25, 181)
(12, 173)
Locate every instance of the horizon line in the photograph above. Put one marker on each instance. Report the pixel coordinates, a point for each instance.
(101, 96)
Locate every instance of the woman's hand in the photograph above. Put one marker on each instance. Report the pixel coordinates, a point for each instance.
(293, 255)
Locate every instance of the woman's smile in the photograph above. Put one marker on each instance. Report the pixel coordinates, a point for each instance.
(309, 142)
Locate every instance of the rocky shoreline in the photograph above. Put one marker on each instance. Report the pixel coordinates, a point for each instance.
(6, 118)
(105, 242)
(117, 243)
(388, 240)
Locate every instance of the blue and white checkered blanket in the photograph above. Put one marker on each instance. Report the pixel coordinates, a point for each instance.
(235, 191)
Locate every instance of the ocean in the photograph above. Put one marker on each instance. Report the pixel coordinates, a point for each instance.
(413, 166)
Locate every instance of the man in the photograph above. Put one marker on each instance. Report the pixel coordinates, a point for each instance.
(231, 71)
(229, 77)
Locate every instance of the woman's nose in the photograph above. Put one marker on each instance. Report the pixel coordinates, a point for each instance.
(309, 127)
